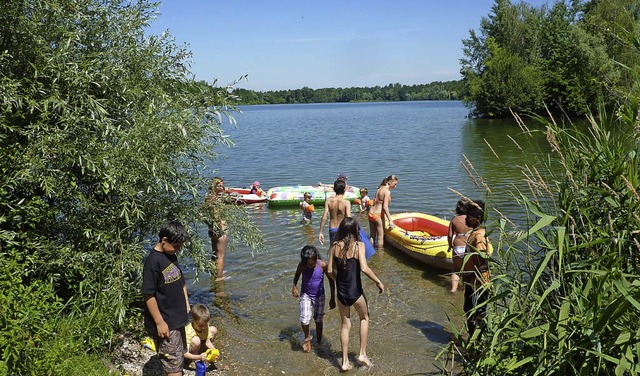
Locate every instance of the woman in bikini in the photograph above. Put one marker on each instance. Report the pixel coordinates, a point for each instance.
(380, 210)
(346, 261)
(457, 237)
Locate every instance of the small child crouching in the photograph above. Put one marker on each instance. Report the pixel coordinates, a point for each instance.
(199, 334)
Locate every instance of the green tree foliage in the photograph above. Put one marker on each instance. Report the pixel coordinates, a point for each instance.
(105, 136)
(507, 82)
(449, 90)
(560, 58)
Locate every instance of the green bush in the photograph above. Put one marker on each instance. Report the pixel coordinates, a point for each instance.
(106, 135)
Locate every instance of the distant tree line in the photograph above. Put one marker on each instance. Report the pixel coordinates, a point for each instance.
(566, 57)
(448, 90)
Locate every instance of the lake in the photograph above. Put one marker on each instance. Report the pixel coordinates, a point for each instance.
(424, 144)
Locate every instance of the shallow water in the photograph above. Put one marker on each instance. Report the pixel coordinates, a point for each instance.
(421, 142)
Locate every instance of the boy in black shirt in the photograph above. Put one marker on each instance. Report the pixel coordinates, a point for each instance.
(165, 296)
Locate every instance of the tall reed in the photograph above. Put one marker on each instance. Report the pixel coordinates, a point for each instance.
(566, 291)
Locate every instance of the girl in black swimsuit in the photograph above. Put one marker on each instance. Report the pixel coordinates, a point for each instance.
(346, 261)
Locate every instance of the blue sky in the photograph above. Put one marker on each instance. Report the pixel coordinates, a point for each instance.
(285, 44)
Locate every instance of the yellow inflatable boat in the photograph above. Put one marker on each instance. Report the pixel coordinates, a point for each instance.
(421, 236)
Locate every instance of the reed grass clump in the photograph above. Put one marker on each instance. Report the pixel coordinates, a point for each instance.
(566, 291)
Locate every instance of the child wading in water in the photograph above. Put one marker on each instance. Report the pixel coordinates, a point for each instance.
(307, 207)
(313, 270)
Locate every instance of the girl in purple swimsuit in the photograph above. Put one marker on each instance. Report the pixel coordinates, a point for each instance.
(346, 261)
(312, 269)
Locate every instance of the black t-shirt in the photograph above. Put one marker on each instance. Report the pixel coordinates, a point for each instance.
(162, 278)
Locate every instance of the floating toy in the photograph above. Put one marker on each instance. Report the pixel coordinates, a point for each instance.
(148, 343)
(310, 208)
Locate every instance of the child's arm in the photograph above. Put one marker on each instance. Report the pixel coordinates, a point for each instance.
(332, 285)
(385, 209)
(161, 325)
(186, 297)
(322, 222)
(364, 267)
(190, 356)
(294, 290)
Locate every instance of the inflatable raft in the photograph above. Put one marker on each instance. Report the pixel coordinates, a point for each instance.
(243, 196)
(293, 195)
(421, 236)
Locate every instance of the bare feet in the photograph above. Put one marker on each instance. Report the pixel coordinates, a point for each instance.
(363, 360)
(453, 290)
(346, 367)
(306, 346)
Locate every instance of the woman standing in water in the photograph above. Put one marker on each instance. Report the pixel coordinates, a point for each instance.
(217, 225)
(380, 210)
(457, 238)
(346, 261)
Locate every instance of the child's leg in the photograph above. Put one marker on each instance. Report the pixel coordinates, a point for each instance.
(305, 318)
(194, 345)
(363, 312)
(344, 336)
(171, 352)
(318, 315)
(455, 281)
(213, 331)
(319, 331)
(372, 233)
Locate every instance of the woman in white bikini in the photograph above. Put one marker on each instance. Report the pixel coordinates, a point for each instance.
(457, 237)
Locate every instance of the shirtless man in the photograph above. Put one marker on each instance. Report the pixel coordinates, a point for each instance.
(337, 207)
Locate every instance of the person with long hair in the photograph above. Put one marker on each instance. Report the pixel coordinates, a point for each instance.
(217, 225)
(379, 213)
(457, 238)
(347, 261)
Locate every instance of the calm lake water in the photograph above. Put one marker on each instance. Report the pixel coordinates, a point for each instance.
(423, 143)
